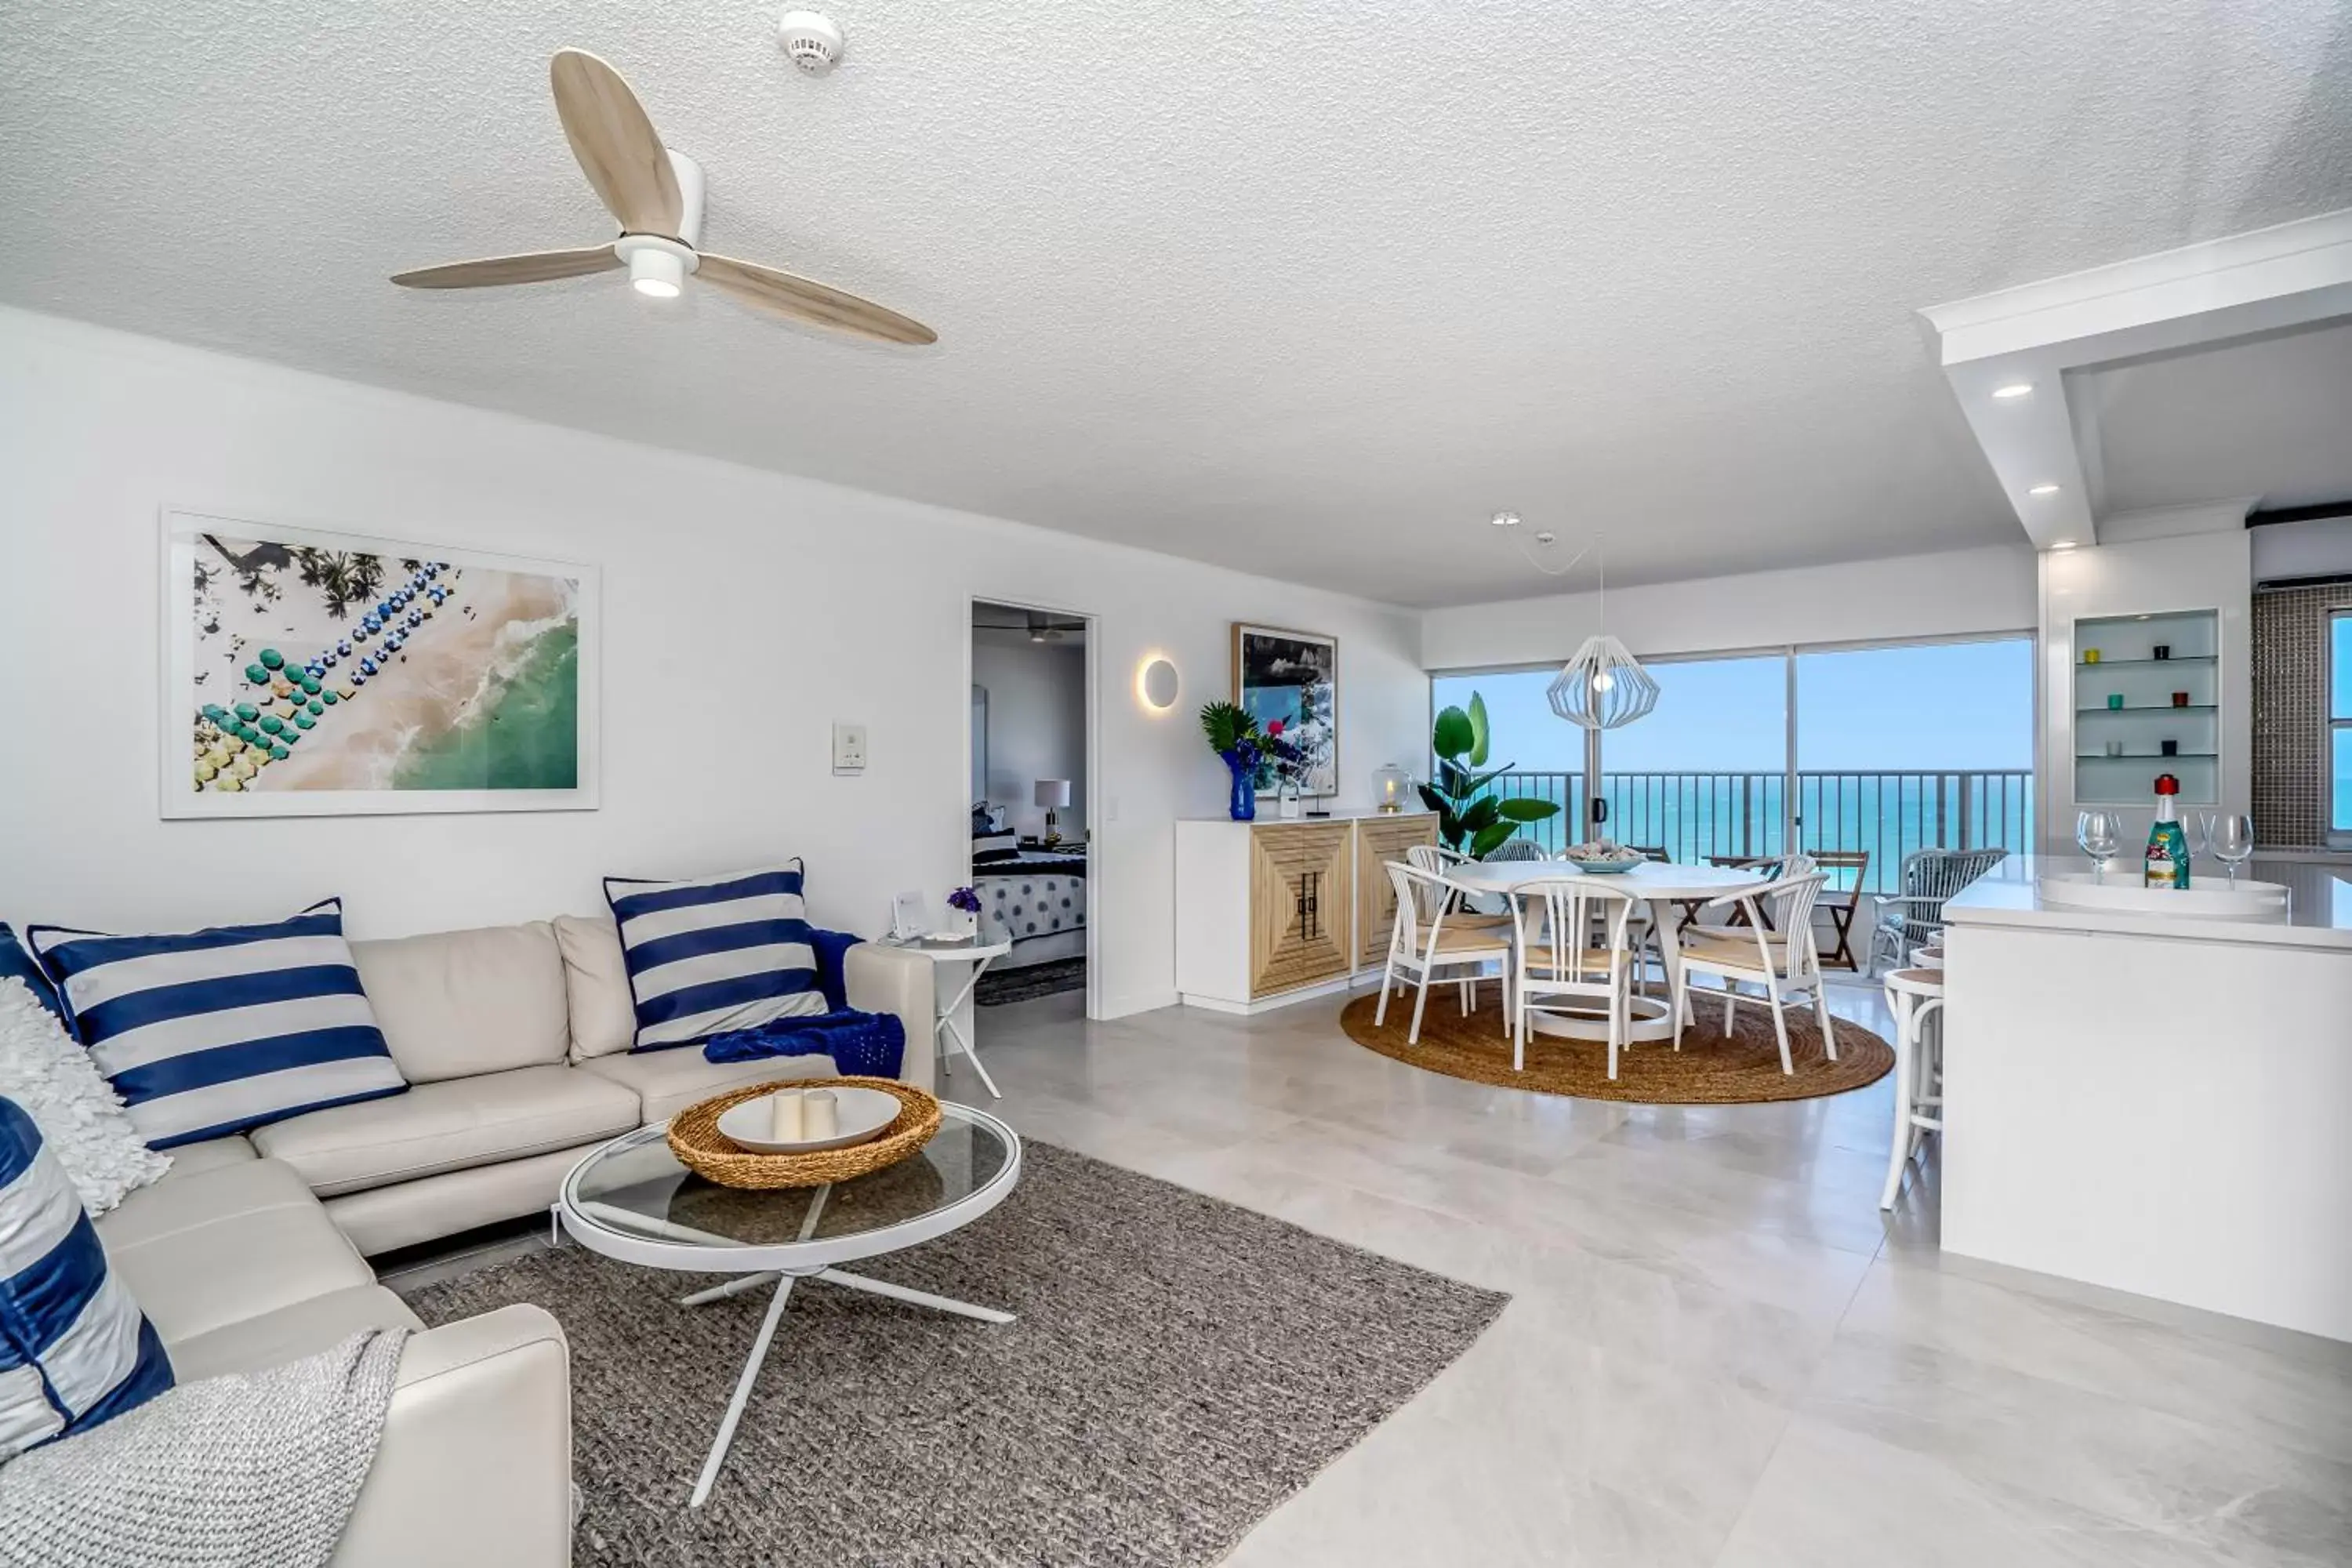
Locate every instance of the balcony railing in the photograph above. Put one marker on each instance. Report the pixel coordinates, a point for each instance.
(1889, 813)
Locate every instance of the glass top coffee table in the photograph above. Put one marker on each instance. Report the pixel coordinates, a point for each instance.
(632, 1200)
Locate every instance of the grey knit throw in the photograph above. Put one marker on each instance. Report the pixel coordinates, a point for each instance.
(254, 1471)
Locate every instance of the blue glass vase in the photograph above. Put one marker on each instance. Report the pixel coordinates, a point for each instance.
(1243, 806)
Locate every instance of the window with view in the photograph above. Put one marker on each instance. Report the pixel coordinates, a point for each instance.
(2340, 723)
(1896, 748)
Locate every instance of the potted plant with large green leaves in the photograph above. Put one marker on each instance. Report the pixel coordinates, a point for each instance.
(1470, 820)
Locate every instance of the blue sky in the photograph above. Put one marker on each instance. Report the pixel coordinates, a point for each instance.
(1943, 705)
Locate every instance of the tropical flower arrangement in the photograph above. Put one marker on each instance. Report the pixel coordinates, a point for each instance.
(1253, 755)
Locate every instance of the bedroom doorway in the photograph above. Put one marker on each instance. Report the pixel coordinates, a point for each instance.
(1031, 746)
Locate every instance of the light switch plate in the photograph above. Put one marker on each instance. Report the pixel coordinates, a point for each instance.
(849, 748)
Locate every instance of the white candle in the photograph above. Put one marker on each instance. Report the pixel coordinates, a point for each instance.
(787, 1123)
(822, 1120)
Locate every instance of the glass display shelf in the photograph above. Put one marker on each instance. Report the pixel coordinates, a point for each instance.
(2129, 671)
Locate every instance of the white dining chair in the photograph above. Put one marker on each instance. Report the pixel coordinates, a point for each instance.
(1518, 849)
(1428, 936)
(1559, 970)
(1489, 912)
(1916, 997)
(1777, 956)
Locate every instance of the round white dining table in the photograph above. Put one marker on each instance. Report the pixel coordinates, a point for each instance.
(1661, 884)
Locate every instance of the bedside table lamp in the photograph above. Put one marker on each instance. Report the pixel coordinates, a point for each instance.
(1053, 794)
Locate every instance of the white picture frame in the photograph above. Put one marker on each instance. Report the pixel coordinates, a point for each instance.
(910, 916)
(468, 685)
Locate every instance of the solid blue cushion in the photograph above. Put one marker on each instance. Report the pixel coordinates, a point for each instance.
(831, 957)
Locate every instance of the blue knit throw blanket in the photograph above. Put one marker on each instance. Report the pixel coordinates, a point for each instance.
(862, 1045)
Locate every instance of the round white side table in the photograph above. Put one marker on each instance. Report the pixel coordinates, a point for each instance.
(946, 1036)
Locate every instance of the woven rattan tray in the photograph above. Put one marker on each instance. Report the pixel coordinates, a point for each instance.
(695, 1138)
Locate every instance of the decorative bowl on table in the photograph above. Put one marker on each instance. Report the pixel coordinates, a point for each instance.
(859, 1113)
(694, 1137)
(1602, 858)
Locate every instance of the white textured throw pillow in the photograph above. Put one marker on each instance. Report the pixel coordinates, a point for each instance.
(80, 1117)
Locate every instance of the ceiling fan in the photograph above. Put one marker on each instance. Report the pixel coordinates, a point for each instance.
(656, 196)
(1041, 625)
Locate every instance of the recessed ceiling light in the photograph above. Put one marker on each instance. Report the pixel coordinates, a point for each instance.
(2061, 544)
(1505, 520)
(2043, 490)
(2014, 389)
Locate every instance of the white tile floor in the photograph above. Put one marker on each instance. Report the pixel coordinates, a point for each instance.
(1716, 1353)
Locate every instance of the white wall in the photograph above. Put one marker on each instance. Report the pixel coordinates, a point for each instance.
(743, 609)
(1953, 593)
(1036, 725)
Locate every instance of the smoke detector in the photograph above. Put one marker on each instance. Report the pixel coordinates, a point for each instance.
(812, 40)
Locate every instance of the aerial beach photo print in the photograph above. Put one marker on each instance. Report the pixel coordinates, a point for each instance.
(315, 673)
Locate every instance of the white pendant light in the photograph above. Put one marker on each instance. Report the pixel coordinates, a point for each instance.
(1604, 686)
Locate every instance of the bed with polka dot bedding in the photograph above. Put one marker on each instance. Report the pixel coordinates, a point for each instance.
(1040, 896)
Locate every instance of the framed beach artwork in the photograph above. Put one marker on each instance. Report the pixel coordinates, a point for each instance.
(1293, 677)
(312, 674)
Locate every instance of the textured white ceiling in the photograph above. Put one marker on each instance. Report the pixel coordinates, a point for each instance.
(1306, 289)
(2270, 418)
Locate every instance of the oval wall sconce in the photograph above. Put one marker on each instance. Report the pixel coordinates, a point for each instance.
(1156, 683)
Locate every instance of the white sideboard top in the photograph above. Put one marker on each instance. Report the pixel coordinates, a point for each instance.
(1266, 817)
(2319, 913)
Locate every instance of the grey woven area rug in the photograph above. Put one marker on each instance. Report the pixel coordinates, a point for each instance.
(1179, 1367)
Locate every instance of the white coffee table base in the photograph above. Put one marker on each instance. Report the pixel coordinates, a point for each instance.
(768, 1325)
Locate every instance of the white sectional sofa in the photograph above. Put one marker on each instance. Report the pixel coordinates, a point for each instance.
(514, 1043)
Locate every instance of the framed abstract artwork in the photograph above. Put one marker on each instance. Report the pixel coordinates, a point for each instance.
(1293, 678)
(314, 674)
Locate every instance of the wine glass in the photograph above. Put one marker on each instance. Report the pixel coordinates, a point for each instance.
(2198, 829)
(2233, 842)
(2100, 834)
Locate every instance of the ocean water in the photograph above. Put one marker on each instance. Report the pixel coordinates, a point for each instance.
(525, 734)
(1693, 816)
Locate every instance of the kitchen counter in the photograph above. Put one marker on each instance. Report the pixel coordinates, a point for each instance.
(2319, 903)
(2154, 1102)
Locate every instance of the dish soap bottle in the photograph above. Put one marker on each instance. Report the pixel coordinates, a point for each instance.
(2168, 845)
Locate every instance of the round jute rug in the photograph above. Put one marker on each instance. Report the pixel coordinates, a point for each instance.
(1710, 1069)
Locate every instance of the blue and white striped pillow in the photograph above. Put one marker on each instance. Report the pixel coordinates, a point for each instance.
(75, 1350)
(213, 1032)
(730, 952)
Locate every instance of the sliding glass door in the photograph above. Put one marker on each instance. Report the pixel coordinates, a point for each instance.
(1705, 774)
(1916, 746)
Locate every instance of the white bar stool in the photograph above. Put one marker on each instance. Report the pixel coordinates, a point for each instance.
(1929, 957)
(1915, 997)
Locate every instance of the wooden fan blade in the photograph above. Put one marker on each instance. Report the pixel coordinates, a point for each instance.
(533, 267)
(615, 144)
(804, 300)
